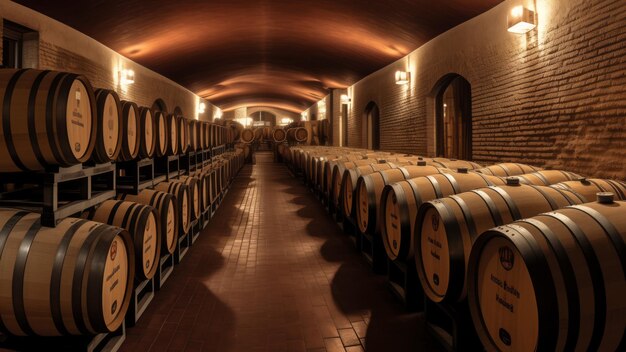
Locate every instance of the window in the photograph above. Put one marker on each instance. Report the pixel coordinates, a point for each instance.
(12, 45)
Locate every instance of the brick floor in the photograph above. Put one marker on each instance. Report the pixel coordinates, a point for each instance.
(273, 272)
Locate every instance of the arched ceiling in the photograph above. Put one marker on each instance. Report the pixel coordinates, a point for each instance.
(280, 53)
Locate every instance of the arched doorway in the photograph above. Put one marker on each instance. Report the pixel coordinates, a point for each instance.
(159, 105)
(453, 104)
(370, 130)
(178, 111)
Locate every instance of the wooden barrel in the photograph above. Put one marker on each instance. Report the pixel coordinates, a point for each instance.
(109, 122)
(173, 134)
(194, 135)
(141, 223)
(297, 134)
(508, 169)
(147, 135)
(588, 188)
(349, 183)
(204, 186)
(195, 192)
(337, 179)
(454, 164)
(181, 194)
(131, 141)
(165, 205)
(162, 134)
(183, 134)
(279, 135)
(547, 177)
(247, 135)
(554, 282)
(205, 126)
(258, 134)
(401, 200)
(48, 118)
(74, 279)
(370, 187)
(445, 230)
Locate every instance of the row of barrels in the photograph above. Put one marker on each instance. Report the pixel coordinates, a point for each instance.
(58, 119)
(77, 278)
(276, 135)
(538, 261)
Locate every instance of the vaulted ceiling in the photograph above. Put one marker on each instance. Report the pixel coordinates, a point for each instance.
(278, 53)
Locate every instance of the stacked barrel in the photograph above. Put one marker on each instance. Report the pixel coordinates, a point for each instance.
(536, 256)
(78, 277)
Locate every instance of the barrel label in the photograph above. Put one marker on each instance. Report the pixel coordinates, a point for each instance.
(507, 258)
(114, 307)
(505, 337)
(113, 250)
(435, 221)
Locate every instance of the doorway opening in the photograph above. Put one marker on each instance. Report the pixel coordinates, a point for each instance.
(454, 118)
(370, 132)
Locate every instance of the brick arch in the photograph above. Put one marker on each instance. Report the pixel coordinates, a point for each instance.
(458, 116)
(370, 126)
(159, 105)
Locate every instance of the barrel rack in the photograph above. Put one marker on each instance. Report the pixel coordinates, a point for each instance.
(53, 194)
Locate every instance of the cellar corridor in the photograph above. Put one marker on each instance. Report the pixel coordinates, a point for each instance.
(273, 272)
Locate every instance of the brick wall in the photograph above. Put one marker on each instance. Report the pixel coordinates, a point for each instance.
(555, 97)
(65, 49)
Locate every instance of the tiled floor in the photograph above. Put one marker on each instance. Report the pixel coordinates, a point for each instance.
(273, 272)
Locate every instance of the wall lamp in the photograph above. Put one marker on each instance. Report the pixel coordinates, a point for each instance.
(345, 99)
(403, 77)
(521, 20)
(127, 76)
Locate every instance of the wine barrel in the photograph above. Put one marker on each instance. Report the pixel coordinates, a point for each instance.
(554, 282)
(165, 205)
(172, 125)
(369, 188)
(337, 179)
(204, 186)
(547, 177)
(206, 139)
(141, 223)
(181, 194)
(508, 169)
(109, 122)
(588, 188)
(454, 164)
(162, 134)
(446, 228)
(279, 135)
(183, 134)
(297, 134)
(401, 200)
(48, 118)
(194, 194)
(349, 183)
(131, 141)
(194, 135)
(74, 279)
(247, 135)
(147, 133)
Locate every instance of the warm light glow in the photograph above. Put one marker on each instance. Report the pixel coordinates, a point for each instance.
(321, 107)
(285, 121)
(218, 113)
(345, 99)
(304, 116)
(403, 77)
(202, 108)
(127, 76)
(245, 121)
(521, 20)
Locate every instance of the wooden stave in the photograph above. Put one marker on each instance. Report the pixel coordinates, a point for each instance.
(195, 194)
(146, 117)
(426, 188)
(204, 178)
(99, 154)
(87, 317)
(180, 192)
(161, 202)
(551, 230)
(173, 134)
(456, 290)
(508, 169)
(337, 181)
(41, 119)
(454, 164)
(547, 177)
(134, 220)
(588, 188)
(247, 135)
(279, 135)
(183, 135)
(161, 133)
(127, 153)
